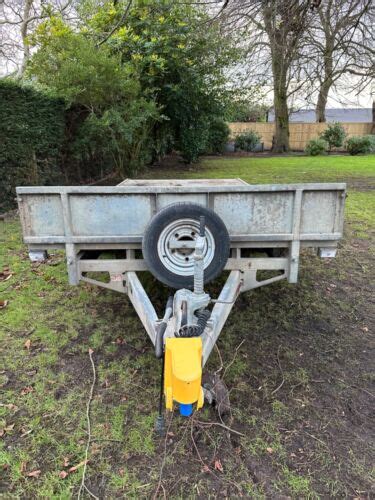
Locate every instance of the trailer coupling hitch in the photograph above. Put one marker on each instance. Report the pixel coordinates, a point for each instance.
(187, 315)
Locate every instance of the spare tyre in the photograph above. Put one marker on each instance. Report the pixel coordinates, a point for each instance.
(169, 241)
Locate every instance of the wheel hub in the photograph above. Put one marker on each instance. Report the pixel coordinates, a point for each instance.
(176, 246)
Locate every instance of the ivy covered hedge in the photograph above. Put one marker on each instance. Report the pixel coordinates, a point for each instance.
(32, 127)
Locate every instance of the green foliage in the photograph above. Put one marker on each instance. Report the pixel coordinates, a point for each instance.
(316, 147)
(193, 139)
(31, 137)
(112, 117)
(360, 144)
(245, 111)
(218, 136)
(247, 141)
(138, 85)
(334, 135)
(372, 142)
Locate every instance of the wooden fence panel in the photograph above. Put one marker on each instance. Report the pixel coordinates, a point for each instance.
(300, 133)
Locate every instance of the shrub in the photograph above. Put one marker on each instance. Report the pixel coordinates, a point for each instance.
(372, 141)
(360, 145)
(31, 139)
(247, 141)
(193, 140)
(334, 134)
(316, 147)
(218, 136)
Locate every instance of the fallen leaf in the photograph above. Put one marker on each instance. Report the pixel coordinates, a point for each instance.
(75, 467)
(205, 468)
(23, 466)
(11, 406)
(365, 329)
(63, 474)
(26, 390)
(34, 473)
(270, 450)
(27, 344)
(66, 461)
(3, 304)
(218, 466)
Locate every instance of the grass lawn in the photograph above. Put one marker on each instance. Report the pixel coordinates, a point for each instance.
(301, 384)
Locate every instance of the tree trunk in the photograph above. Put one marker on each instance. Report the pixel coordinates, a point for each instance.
(281, 139)
(373, 117)
(280, 100)
(320, 110)
(25, 44)
(326, 84)
(280, 66)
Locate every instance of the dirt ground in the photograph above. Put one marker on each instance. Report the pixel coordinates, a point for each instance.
(298, 361)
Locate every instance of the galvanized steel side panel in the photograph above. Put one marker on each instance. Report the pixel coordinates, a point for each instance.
(166, 199)
(108, 215)
(320, 212)
(120, 214)
(255, 213)
(42, 215)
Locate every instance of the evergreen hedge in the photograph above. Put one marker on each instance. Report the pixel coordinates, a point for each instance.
(32, 127)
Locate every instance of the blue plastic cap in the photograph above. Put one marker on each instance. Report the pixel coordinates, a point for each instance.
(186, 409)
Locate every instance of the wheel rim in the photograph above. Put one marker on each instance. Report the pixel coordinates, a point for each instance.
(176, 246)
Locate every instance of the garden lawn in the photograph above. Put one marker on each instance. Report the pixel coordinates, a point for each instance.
(298, 361)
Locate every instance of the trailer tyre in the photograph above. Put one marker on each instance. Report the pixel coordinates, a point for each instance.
(169, 239)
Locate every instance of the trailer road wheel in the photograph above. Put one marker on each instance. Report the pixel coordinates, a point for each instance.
(169, 241)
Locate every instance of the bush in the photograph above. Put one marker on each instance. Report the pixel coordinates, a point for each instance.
(31, 139)
(372, 142)
(316, 147)
(360, 145)
(334, 135)
(218, 136)
(247, 141)
(193, 140)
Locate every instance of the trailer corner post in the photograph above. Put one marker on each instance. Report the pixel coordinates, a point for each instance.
(71, 259)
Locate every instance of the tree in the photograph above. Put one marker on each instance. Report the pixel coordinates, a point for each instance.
(181, 59)
(139, 78)
(110, 116)
(340, 41)
(274, 32)
(18, 21)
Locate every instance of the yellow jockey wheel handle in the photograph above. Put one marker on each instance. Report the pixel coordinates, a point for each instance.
(183, 374)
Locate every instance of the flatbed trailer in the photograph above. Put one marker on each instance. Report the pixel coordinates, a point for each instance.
(185, 232)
